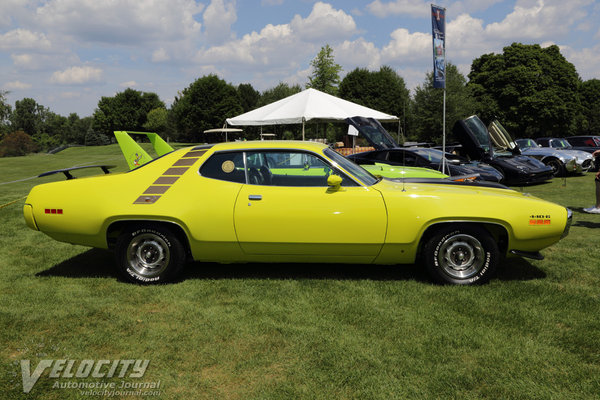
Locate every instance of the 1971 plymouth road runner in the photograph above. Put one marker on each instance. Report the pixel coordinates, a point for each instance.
(286, 201)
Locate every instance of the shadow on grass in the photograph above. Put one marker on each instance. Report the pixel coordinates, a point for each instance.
(587, 224)
(518, 269)
(93, 263)
(304, 271)
(97, 263)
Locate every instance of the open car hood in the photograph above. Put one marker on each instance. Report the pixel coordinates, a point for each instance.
(373, 132)
(477, 140)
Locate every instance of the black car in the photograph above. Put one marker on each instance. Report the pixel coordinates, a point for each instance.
(585, 143)
(477, 144)
(388, 152)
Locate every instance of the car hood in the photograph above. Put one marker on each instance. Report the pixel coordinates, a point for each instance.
(373, 132)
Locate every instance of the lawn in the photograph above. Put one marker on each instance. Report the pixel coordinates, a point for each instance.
(282, 331)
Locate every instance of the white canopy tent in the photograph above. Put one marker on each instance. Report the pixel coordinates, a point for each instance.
(310, 104)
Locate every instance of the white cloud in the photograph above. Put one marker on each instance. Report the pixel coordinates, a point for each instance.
(405, 47)
(128, 84)
(17, 85)
(324, 23)
(23, 39)
(538, 20)
(160, 55)
(399, 7)
(121, 21)
(77, 76)
(70, 95)
(357, 54)
(218, 18)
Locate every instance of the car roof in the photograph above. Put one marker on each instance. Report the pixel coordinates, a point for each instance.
(267, 144)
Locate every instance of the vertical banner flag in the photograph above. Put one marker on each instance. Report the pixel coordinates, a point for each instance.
(438, 28)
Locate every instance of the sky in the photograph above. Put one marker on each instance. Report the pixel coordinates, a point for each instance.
(67, 54)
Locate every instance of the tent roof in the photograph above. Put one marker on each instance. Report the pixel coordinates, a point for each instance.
(310, 104)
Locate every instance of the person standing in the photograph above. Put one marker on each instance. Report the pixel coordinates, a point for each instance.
(596, 208)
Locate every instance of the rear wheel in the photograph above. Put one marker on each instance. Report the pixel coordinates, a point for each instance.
(149, 254)
(461, 255)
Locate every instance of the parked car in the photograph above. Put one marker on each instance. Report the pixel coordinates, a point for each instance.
(588, 144)
(585, 143)
(564, 145)
(560, 162)
(389, 152)
(478, 144)
(286, 201)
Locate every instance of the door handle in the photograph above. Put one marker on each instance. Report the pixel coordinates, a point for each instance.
(254, 197)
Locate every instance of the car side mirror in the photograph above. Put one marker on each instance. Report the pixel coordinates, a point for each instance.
(334, 182)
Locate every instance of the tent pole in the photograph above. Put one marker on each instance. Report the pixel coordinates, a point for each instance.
(303, 129)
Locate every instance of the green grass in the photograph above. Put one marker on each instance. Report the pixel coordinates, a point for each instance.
(258, 331)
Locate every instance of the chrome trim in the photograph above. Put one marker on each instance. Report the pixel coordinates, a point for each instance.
(568, 224)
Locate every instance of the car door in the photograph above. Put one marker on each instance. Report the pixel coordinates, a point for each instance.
(287, 208)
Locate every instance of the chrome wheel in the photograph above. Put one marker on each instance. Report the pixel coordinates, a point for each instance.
(461, 256)
(148, 255)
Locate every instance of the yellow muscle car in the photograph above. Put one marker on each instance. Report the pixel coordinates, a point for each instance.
(286, 201)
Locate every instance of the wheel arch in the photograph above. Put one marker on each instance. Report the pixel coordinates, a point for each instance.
(116, 228)
(497, 230)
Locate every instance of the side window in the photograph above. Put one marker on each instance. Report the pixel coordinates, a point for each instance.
(225, 167)
(286, 168)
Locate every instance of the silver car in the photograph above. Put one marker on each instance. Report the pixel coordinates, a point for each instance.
(561, 161)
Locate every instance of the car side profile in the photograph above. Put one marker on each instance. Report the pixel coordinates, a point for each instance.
(286, 201)
(561, 162)
(585, 159)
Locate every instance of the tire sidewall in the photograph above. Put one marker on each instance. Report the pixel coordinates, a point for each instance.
(175, 255)
(490, 255)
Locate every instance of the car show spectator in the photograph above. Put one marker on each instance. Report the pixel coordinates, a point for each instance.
(596, 208)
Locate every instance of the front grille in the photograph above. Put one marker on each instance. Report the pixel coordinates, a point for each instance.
(587, 164)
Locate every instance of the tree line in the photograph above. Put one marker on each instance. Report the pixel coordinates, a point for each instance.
(533, 91)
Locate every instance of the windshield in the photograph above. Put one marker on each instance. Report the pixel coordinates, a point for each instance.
(525, 144)
(479, 131)
(560, 143)
(430, 154)
(349, 166)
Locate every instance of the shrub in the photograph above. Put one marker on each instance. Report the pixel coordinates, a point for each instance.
(17, 144)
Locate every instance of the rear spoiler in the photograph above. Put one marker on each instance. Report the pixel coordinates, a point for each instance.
(133, 152)
(67, 171)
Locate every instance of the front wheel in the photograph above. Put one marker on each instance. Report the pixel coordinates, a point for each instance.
(461, 255)
(558, 169)
(149, 254)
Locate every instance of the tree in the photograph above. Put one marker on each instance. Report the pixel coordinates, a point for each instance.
(156, 121)
(16, 144)
(589, 95)
(127, 110)
(532, 90)
(205, 104)
(427, 106)
(248, 96)
(281, 91)
(29, 116)
(5, 112)
(326, 73)
(382, 90)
